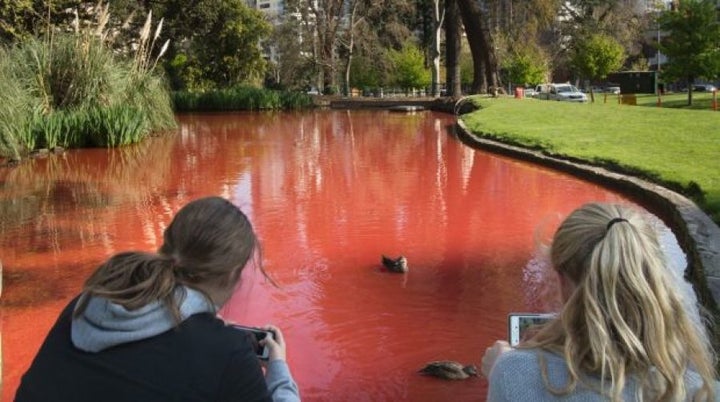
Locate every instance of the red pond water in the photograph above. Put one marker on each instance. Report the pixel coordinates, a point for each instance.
(328, 192)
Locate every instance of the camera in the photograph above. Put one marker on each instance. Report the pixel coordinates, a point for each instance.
(521, 326)
(258, 334)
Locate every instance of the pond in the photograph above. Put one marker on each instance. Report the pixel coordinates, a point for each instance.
(329, 192)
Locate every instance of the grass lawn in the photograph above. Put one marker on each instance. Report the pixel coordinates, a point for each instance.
(679, 148)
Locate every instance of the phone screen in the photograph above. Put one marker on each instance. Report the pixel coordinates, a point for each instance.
(522, 325)
(258, 334)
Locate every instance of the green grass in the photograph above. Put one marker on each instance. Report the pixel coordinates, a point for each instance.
(678, 148)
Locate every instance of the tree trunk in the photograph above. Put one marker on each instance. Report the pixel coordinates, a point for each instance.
(438, 17)
(485, 67)
(350, 46)
(453, 81)
(690, 90)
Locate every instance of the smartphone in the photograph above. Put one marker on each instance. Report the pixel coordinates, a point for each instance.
(521, 326)
(258, 334)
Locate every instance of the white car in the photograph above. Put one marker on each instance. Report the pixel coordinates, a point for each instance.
(560, 92)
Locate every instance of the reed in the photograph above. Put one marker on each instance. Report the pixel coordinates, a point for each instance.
(239, 98)
(71, 90)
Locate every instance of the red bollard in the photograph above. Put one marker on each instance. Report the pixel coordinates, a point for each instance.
(519, 93)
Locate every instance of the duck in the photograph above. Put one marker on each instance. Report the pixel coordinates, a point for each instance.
(449, 370)
(398, 265)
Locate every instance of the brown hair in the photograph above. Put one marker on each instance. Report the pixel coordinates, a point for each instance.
(209, 241)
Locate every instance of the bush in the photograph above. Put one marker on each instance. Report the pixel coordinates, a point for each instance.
(71, 90)
(239, 98)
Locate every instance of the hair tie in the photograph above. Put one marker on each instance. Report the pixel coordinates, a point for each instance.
(614, 221)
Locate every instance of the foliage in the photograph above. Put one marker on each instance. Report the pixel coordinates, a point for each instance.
(597, 55)
(21, 19)
(71, 89)
(215, 43)
(239, 98)
(466, 66)
(366, 73)
(293, 67)
(409, 64)
(692, 44)
(526, 67)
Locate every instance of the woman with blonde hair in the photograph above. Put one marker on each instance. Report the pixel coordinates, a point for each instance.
(623, 333)
(145, 328)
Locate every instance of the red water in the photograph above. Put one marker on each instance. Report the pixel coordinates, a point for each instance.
(328, 192)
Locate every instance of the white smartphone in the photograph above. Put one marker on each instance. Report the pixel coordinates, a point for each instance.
(520, 325)
(262, 352)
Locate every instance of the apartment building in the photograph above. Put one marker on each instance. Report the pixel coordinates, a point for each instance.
(274, 9)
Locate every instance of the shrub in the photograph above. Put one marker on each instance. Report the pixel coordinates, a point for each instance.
(70, 89)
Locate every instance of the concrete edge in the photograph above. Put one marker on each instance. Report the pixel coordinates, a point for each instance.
(697, 234)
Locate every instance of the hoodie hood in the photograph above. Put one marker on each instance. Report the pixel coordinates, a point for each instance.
(105, 324)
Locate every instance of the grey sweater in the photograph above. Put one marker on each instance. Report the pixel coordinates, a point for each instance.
(516, 376)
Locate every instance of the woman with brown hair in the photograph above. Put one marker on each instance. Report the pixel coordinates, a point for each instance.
(623, 333)
(145, 327)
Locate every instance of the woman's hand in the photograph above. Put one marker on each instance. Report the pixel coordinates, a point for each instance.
(275, 345)
(491, 355)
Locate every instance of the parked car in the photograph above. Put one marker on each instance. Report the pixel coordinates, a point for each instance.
(560, 92)
(612, 90)
(704, 88)
(529, 92)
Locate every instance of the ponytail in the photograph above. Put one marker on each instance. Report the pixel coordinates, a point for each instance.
(133, 280)
(624, 318)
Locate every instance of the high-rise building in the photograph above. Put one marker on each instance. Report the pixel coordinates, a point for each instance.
(273, 9)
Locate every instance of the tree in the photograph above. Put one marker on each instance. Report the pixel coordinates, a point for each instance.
(482, 47)
(693, 42)
(625, 21)
(410, 71)
(453, 47)
(15, 19)
(438, 19)
(215, 42)
(526, 67)
(596, 57)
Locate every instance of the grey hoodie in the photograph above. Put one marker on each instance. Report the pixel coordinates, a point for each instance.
(105, 324)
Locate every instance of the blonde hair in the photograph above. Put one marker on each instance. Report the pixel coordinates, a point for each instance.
(624, 317)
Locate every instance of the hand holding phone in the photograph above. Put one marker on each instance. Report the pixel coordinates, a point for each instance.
(521, 326)
(259, 334)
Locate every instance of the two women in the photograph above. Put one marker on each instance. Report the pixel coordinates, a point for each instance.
(144, 327)
(623, 333)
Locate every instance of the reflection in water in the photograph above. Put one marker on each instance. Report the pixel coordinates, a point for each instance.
(328, 192)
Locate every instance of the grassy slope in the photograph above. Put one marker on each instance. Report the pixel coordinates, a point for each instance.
(677, 147)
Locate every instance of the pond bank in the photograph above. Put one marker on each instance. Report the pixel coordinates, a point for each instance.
(445, 104)
(696, 233)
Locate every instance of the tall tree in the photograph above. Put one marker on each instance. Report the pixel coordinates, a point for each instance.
(410, 71)
(233, 29)
(693, 41)
(438, 19)
(453, 23)
(325, 33)
(482, 46)
(624, 20)
(596, 56)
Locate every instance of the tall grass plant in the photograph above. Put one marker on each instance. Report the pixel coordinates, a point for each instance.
(72, 90)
